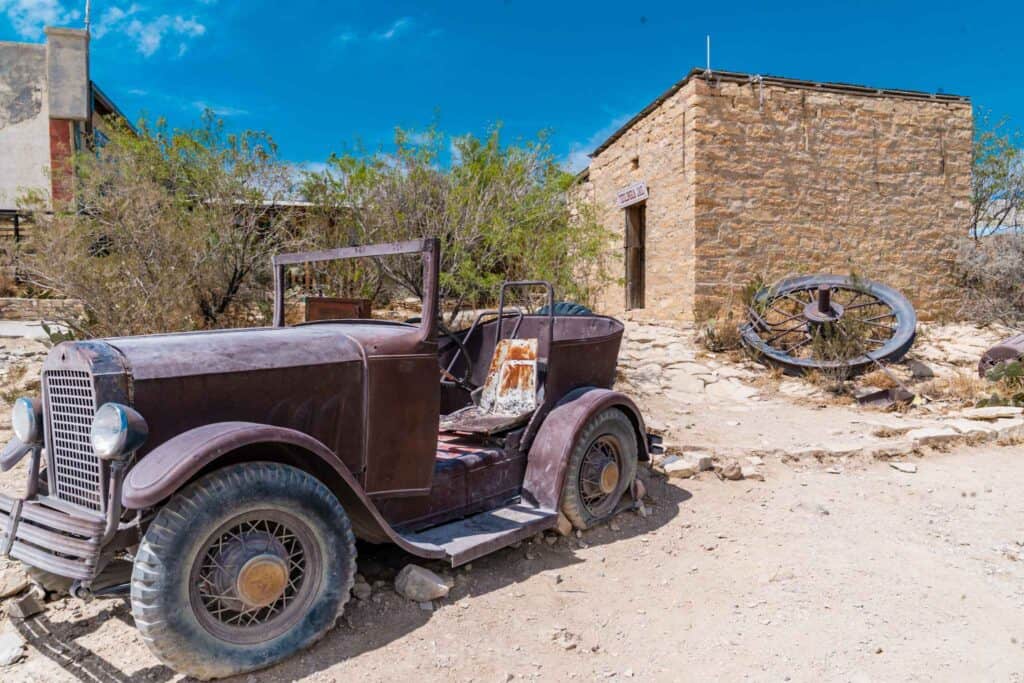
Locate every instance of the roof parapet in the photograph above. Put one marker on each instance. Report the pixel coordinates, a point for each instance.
(745, 78)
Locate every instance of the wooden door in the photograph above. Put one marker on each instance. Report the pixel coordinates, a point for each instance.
(636, 229)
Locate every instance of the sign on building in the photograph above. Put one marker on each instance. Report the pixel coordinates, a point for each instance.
(631, 194)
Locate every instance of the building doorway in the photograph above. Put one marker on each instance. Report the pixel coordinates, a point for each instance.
(636, 237)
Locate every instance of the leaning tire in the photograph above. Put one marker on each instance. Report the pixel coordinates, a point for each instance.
(241, 569)
(601, 468)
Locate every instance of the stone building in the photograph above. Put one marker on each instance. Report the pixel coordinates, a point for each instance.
(729, 176)
(49, 109)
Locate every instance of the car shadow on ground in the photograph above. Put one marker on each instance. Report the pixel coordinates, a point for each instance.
(56, 640)
(370, 624)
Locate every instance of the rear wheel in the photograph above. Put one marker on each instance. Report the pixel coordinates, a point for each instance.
(241, 569)
(601, 468)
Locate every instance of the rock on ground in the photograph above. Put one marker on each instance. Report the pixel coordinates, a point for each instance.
(12, 582)
(732, 471)
(420, 584)
(564, 526)
(992, 412)
(12, 647)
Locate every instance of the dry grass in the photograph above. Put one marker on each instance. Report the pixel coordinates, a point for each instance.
(879, 379)
(15, 385)
(718, 325)
(963, 387)
(768, 380)
(835, 387)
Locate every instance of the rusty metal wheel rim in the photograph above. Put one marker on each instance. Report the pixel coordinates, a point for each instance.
(786, 318)
(255, 577)
(600, 475)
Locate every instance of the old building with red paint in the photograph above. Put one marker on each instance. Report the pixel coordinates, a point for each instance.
(49, 109)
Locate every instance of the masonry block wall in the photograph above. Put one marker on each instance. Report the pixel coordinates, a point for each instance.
(750, 178)
(656, 150)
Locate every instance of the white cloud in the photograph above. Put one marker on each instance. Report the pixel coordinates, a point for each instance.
(219, 109)
(454, 152)
(28, 17)
(578, 157)
(310, 167)
(111, 18)
(397, 28)
(148, 32)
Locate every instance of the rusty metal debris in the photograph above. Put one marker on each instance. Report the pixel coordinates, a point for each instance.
(887, 398)
(1006, 351)
(828, 323)
(334, 308)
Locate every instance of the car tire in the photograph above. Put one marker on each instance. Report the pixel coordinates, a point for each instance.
(215, 556)
(589, 495)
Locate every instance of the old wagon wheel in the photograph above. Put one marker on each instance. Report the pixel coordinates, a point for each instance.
(829, 322)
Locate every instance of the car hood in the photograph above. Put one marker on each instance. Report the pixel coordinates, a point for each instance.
(221, 351)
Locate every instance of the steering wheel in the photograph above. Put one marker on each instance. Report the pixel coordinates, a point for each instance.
(447, 378)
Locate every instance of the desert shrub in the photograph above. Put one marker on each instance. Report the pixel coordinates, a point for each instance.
(1008, 385)
(718, 325)
(990, 260)
(991, 272)
(169, 230)
(719, 322)
(500, 211)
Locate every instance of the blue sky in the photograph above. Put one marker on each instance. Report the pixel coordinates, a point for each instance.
(319, 75)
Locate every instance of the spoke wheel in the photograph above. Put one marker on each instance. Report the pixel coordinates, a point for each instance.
(601, 468)
(242, 568)
(256, 576)
(599, 475)
(828, 322)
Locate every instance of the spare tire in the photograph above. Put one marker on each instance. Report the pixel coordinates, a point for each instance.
(567, 308)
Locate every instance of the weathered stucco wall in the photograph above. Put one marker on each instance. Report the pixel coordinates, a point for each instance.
(657, 150)
(793, 180)
(24, 122)
(768, 180)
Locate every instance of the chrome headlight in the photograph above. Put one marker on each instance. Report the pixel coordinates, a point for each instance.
(27, 420)
(117, 430)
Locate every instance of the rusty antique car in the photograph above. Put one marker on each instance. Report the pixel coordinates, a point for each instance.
(222, 478)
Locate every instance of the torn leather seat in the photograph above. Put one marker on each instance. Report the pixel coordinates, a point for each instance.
(509, 395)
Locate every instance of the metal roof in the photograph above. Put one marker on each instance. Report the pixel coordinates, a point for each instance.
(746, 78)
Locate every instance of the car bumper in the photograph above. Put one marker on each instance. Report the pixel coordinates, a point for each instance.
(50, 539)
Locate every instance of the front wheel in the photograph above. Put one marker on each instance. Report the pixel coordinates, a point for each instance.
(241, 569)
(601, 468)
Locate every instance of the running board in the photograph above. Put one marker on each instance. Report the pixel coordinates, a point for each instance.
(467, 539)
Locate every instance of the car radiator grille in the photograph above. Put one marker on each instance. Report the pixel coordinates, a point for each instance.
(71, 404)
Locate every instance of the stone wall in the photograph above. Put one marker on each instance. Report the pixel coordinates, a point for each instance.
(13, 308)
(768, 180)
(792, 180)
(24, 122)
(656, 151)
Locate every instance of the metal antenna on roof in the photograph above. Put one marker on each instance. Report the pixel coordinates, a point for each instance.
(707, 70)
(88, 5)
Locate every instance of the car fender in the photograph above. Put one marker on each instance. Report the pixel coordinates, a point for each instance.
(177, 461)
(550, 450)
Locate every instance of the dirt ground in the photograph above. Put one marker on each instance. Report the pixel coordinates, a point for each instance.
(844, 569)
(871, 574)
